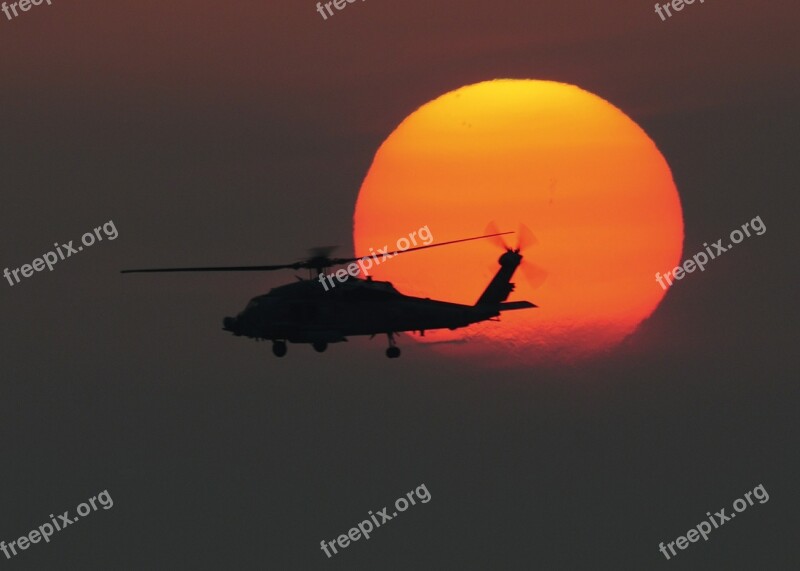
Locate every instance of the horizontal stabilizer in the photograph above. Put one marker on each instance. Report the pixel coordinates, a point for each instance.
(508, 305)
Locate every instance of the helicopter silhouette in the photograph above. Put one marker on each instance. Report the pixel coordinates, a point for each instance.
(305, 311)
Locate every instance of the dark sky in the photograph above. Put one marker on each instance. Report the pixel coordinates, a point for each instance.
(239, 132)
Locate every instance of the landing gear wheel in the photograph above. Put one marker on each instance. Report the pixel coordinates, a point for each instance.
(320, 346)
(279, 348)
(393, 352)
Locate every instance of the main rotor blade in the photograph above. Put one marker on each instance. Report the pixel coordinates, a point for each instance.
(337, 261)
(312, 263)
(216, 269)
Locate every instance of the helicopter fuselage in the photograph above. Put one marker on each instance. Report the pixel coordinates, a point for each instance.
(304, 312)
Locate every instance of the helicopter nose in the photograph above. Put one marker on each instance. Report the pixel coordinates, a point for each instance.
(229, 324)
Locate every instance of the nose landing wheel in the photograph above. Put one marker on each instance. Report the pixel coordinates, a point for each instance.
(319, 346)
(279, 348)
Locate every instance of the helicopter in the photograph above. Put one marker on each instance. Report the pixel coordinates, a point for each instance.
(307, 311)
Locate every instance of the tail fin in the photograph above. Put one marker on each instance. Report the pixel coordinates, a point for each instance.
(501, 287)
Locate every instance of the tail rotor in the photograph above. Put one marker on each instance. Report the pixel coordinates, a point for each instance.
(534, 274)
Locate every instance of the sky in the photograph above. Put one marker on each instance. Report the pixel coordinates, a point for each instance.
(239, 133)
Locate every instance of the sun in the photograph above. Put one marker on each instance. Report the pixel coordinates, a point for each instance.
(579, 173)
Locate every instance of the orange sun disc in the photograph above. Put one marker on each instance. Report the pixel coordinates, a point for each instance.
(584, 178)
